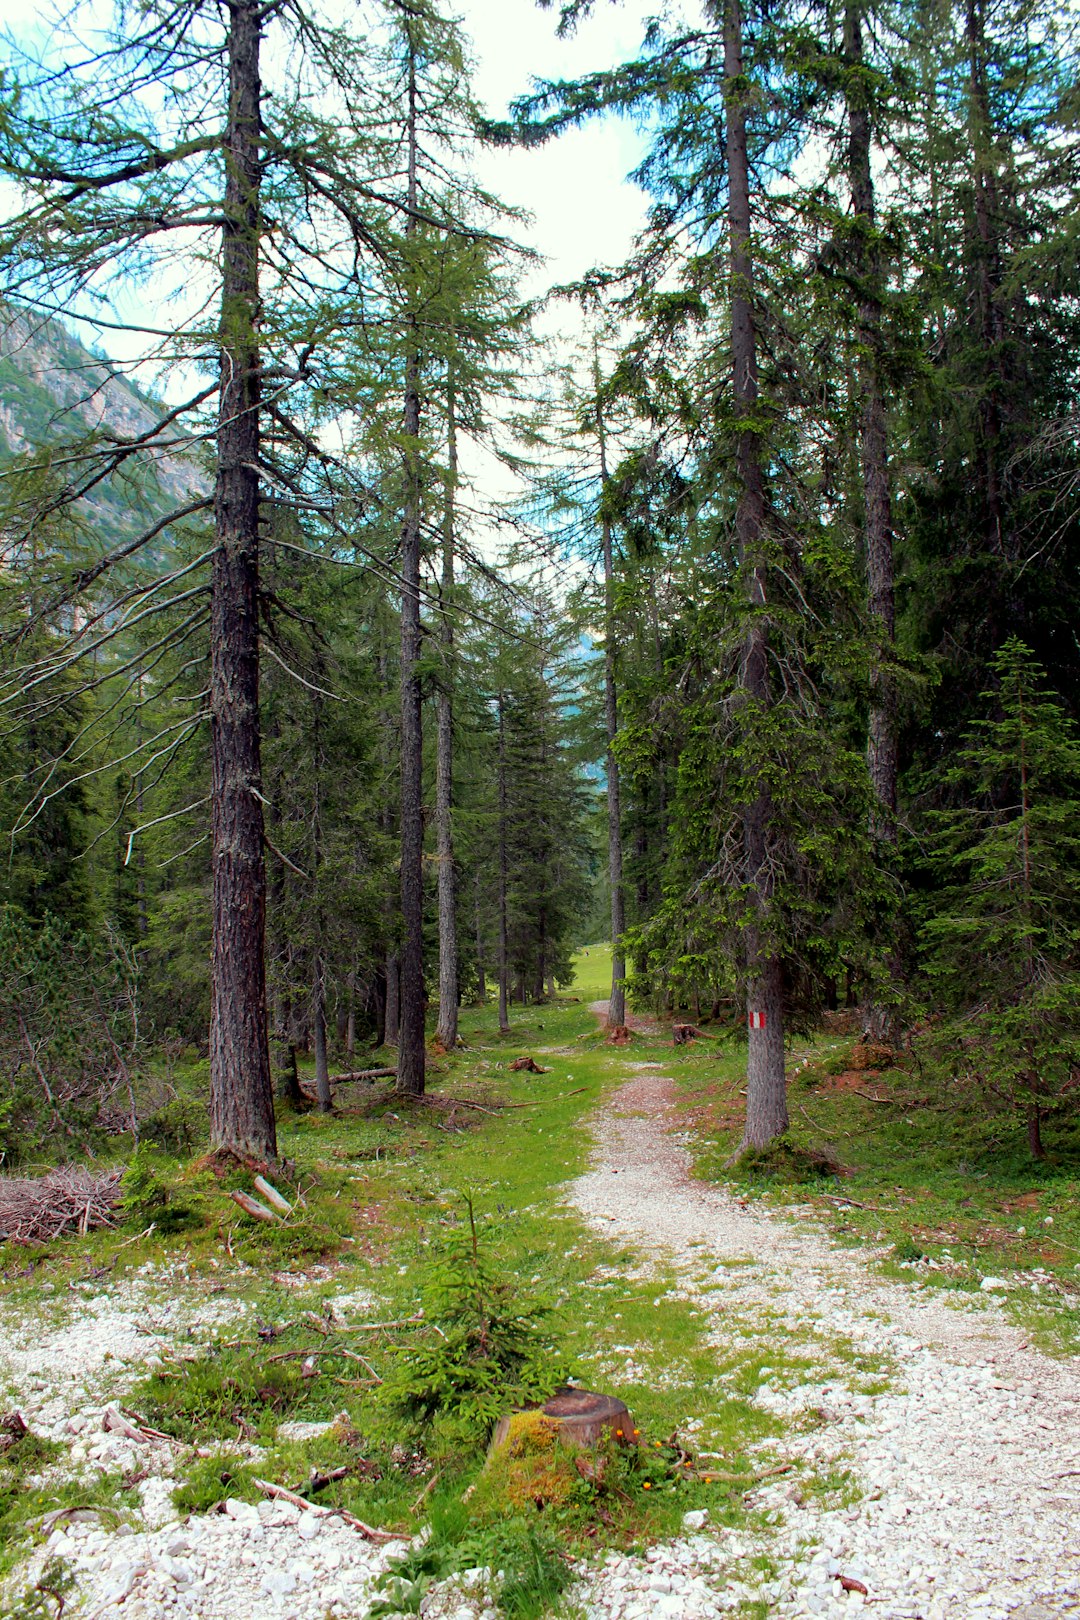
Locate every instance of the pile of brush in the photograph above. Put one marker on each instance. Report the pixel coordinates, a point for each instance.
(36, 1210)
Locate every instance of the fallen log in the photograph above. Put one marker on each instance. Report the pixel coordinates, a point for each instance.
(353, 1075)
(527, 1065)
(252, 1206)
(272, 1196)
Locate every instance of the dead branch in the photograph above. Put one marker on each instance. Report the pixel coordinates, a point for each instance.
(272, 1196)
(281, 1494)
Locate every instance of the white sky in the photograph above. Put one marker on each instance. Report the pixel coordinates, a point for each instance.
(586, 212)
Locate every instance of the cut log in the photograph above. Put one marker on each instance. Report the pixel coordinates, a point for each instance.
(527, 1065)
(272, 1196)
(251, 1206)
(582, 1417)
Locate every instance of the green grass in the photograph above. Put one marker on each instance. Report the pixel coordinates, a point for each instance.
(377, 1188)
(378, 1192)
(921, 1179)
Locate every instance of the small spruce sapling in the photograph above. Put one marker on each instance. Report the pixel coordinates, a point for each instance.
(1003, 943)
(490, 1350)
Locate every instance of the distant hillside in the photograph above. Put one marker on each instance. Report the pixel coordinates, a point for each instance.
(53, 389)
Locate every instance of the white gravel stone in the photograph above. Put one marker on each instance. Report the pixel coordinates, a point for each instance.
(969, 1463)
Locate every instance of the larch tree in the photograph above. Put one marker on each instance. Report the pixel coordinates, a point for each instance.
(256, 207)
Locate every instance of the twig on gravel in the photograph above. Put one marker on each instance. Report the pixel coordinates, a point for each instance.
(47, 1520)
(270, 1489)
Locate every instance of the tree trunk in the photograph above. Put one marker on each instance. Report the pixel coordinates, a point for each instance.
(617, 1000)
(323, 1094)
(766, 1100)
(481, 983)
(447, 1028)
(987, 253)
(392, 1015)
(504, 966)
(350, 1021)
(410, 1080)
(287, 1081)
(1034, 1132)
(873, 433)
(241, 1096)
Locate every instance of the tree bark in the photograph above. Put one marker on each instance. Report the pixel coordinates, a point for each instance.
(617, 1000)
(323, 1095)
(987, 253)
(873, 433)
(241, 1096)
(447, 1029)
(766, 1100)
(1034, 1132)
(287, 1081)
(481, 983)
(411, 1060)
(504, 965)
(392, 1015)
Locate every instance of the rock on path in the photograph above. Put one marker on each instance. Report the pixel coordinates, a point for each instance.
(969, 1463)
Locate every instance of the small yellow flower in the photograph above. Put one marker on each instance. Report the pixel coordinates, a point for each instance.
(646, 1486)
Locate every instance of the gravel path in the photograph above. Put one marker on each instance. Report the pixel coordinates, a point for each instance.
(969, 1464)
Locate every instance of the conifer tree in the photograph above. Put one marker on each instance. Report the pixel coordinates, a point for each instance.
(1003, 936)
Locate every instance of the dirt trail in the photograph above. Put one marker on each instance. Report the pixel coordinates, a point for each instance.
(969, 1463)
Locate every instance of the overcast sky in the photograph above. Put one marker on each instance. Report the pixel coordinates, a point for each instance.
(586, 212)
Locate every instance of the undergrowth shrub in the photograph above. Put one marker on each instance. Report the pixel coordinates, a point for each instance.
(489, 1348)
(149, 1197)
(785, 1161)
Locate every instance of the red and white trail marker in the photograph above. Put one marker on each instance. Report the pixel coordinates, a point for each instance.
(757, 1020)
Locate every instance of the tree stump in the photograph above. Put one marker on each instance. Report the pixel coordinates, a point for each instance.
(581, 1418)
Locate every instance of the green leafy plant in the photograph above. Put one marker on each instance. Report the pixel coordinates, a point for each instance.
(487, 1350)
(529, 1554)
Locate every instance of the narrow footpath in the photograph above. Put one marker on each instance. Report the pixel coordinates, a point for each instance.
(968, 1466)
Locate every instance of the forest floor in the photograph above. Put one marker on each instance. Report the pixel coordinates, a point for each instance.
(832, 1398)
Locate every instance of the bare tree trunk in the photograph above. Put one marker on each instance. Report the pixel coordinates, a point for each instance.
(617, 1000)
(287, 1081)
(873, 432)
(504, 966)
(318, 1019)
(350, 1021)
(241, 1096)
(447, 1028)
(766, 1099)
(392, 1016)
(481, 984)
(989, 313)
(411, 1061)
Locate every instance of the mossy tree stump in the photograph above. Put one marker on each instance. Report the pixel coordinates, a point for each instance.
(580, 1418)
